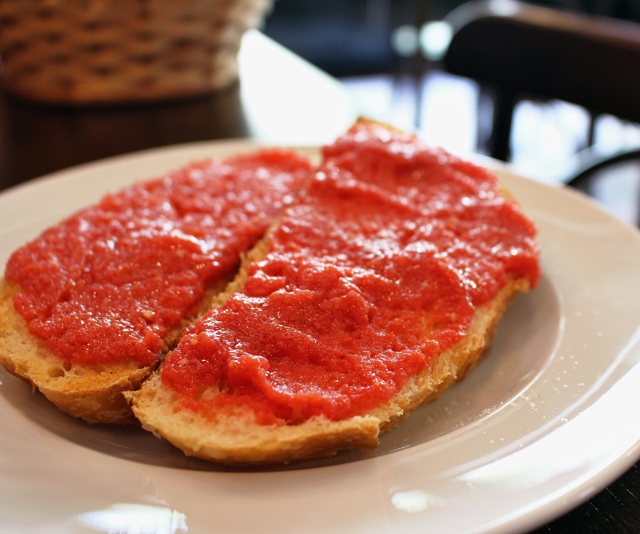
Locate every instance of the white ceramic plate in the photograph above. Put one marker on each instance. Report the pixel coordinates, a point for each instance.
(539, 427)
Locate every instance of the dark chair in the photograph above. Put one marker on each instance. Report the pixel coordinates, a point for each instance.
(519, 50)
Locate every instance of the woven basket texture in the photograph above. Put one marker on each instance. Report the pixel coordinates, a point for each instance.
(109, 51)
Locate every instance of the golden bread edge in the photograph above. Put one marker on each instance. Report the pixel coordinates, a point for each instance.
(94, 394)
(238, 442)
(114, 393)
(235, 441)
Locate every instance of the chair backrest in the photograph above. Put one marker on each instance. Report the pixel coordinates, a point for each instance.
(522, 49)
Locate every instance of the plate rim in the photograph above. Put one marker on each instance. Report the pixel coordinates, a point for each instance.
(526, 520)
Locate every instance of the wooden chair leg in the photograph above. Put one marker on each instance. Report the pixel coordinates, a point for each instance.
(500, 140)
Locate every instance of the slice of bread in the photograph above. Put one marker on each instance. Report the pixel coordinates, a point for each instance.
(235, 433)
(93, 390)
(239, 440)
(93, 393)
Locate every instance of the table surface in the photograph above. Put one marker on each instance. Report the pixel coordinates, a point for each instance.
(269, 105)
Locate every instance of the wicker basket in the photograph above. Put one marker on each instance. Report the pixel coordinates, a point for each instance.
(110, 51)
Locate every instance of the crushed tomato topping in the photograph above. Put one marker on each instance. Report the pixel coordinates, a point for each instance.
(378, 266)
(108, 284)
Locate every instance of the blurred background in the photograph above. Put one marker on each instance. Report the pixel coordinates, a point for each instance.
(168, 71)
(386, 54)
(84, 80)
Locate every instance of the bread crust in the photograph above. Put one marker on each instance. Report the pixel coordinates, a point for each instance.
(128, 393)
(238, 441)
(92, 394)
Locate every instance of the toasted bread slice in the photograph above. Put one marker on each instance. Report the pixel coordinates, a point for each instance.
(208, 412)
(92, 393)
(85, 376)
(239, 440)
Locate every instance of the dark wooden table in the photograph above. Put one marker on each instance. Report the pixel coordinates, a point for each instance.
(36, 140)
(280, 99)
(616, 510)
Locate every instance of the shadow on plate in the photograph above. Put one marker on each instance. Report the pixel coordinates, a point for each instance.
(524, 344)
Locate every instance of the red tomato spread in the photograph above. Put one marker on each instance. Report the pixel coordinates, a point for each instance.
(378, 266)
(108, 284)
